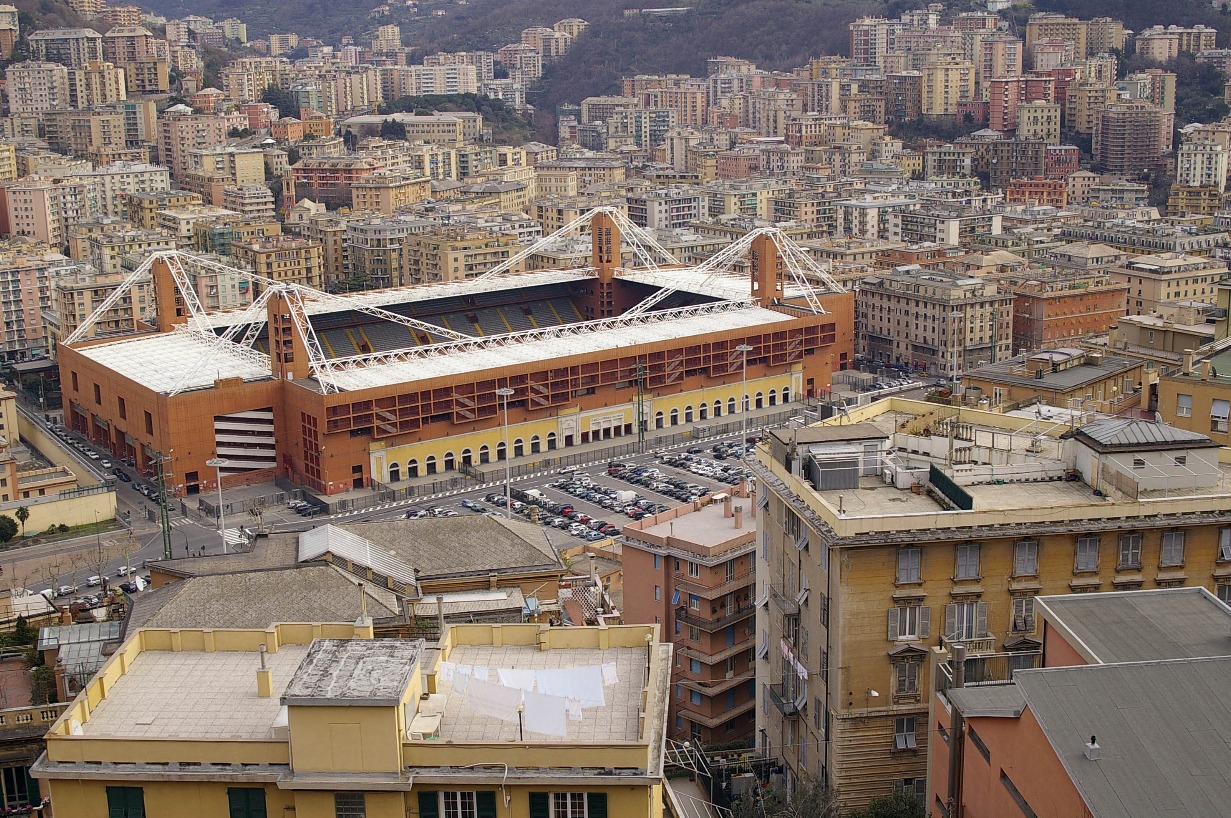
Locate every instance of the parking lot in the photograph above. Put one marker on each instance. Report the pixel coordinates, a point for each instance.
(594, 503)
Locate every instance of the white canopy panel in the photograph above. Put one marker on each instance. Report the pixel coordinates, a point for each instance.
(161, 361)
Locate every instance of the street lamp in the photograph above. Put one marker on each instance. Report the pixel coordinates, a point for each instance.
(217, 463)
(955, 316)
(505, 392)
(743, 407)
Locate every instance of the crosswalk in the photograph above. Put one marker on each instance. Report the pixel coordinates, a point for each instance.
(181, 522)
(233, 536)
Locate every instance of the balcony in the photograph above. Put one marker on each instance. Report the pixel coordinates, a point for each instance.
(787, 605)
(785, 706)
(977, 646)
(988, 669)
(714, 592)
(688, 617)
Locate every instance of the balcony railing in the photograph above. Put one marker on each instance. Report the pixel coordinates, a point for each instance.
(712, 625)
(980, 645)
(989, 669)
(786, 604)
(785, 706)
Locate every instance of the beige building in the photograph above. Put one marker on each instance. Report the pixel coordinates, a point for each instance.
(387, 191)
(250, 201)
(37, 87)
(1201, 164)
(72, 47)
(946, 82)
(1161, 277)
(44, 208)
(884, 536)
(77, 292)
(96, 83)
(1039, 120)
(282, 258)
(210, 170)
(455, 254)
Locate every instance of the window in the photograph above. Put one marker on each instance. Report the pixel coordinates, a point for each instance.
(658, 562)
(967, 561)
(1180, 459)
(1224, 544)
(1219, 411)
(694, 696)
(1223, 590)
(909, 563)
(694, 602)
(730, 570)
(917, 787)
(694, 665)
(694, 633)
(75, 388)
(1023, 614)
(351, 804)
(1139, 463)
(568, 805)
(1026, 558)
(1130, 551)
(246, 802)
(19, 788)
(694, 569)
(98, 395)
(904, 733)
(910, 622)
(1087, 554)
(1173, 549)
(125, 802)
(675, 597)
(123, 407)
(450, 804)
(1184, 406)
(658, 593)
(149, 423)
(906, 677)
(965, 620)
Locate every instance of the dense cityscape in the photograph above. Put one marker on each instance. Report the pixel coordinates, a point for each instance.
(379, 419)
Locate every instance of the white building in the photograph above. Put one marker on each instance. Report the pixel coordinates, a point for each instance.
(1201, 164)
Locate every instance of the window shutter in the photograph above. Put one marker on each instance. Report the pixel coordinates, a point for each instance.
(32, 791)
(894, 614)
(540, 806)
(980, 619)
(951, 621)
(429, 804)
(925, 622)
(485, 804)
(246, 802)
(596, 805)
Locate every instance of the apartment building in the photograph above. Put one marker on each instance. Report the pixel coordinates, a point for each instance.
(1010, 736)
(484, 62)
(387, 191)
(695, 569)
(77, 292)
(73, 47)
(1158, 236)
(254, 202)
(1039, 120)
(1164, 340)
(934, 320)
(1057, 306)
(1067, 377)
(142, 56)
(109, 252)
(1161, 44)
(1201, 164)
(438, 733)
(290, 259)
(883, 557)
(37, 87)
(1160, 277)
(211, 170)
(455, 254)
(946, 83)
(1131, 136)
(96, 84)
(141, 209)
(181, 131)
(452, 129)
(957, 226)
(1196, 397)
(44, 208)
(26, 271)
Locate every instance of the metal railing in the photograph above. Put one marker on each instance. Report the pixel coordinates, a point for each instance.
(989, 668)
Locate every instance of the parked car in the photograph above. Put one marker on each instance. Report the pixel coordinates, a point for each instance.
(414, 514)
(473, 505)
(94, 581)
(66, 590)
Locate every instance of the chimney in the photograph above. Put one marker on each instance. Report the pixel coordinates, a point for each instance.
(739, 517)
(1205, 370)
(491, 581)
(1188, 361)
(264, 677)
(440, 613)
(1093, 751)
(752, 506)
(726, 506)
(957, 661)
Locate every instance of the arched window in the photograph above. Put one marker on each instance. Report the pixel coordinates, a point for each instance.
(485, 454)
(730, 406)
(430, 463)
(786, 394)
(500, 450)
(395, 472)
(773, 397)
(551, 441)
(658, 420)
(703, 412)
(467, 457)
(536, 444)
(717, 408)
(688, 414)
(760, 400)
(519, 447)
(675, 417)
(450, 462)
(412, 468)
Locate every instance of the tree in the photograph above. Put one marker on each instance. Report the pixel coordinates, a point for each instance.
(811, 799)
(24, 633)
(8, 528)
(22, 514)
(899, 805)
(392, 129)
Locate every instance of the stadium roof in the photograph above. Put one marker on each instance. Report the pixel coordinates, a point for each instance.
(165, 361)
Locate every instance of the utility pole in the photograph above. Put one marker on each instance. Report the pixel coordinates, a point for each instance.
(163, 518)
(640, 407)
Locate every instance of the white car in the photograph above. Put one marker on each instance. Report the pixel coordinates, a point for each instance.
(94, 581)
(66, 590)
(92, 455)
(124, 570)
(106, 464)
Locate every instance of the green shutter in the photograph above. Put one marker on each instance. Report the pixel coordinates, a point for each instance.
(485, 804)
(540, 805)
(596, 805)
(33, 796)
(429, 804)
(246, 802)
(125, 802)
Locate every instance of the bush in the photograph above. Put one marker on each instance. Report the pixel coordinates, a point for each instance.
(8, 528)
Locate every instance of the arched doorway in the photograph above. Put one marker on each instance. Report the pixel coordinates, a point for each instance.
(730, 406)
(703, 412)
(688, 414)
(786, 394)
(430, 464)
(760, 400)
(717, 408)
(485, 454)
(450, 463)
(519, 447)
(412, 468)
(675, 417)
(395, 472)
(467, 457)
(500, 450)
(551, 441)
(658, 420)
(773, 397)
(536, 444)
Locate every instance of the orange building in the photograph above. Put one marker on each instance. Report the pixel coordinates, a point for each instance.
(1128, 714)
(1058, 307)
(337, 392)
(1037, 191)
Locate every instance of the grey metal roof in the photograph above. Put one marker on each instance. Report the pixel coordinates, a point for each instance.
(987, 700)
(1063, 381)
(1137, 626)
(829, 434)
(1164, 729)
(1134, 433)
(369, 672)
(62, 635)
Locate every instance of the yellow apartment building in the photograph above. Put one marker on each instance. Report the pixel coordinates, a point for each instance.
(282, 258)
(457, 254)
(903, 526)
(385, 191)
(322, 721)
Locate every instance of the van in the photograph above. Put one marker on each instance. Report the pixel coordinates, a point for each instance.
(94, 581)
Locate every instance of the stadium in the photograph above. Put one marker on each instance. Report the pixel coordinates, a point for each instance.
(333, 392)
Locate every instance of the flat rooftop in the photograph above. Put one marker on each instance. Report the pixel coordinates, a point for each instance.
(368, 672)
(706, 527)
(162, 696)
(1140, 626)
(619, 719)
